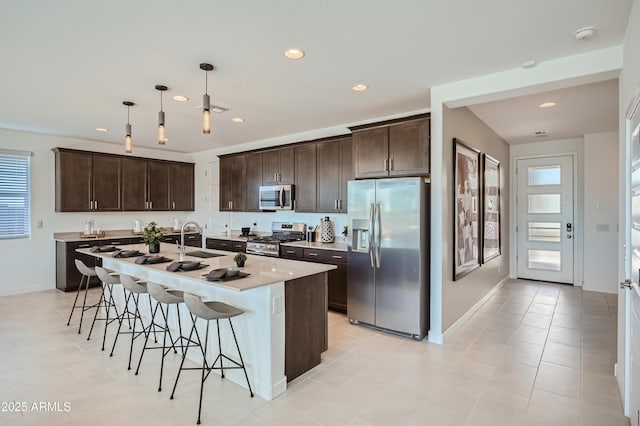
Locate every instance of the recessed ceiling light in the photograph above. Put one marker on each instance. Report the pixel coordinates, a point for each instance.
(530, 63)
(293, 53)
(547, 105)
(359, 87)
(585, 33)
(180, 98)
(102, 129)
(237, 120)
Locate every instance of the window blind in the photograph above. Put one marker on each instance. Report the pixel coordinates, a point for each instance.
(14, 194)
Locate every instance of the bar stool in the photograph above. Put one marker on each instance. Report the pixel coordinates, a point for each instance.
(87, 273)
(108, 281)
(211, 311)
(133, 288)
(164, 296)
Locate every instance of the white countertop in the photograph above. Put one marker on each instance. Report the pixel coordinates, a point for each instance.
(263, 270)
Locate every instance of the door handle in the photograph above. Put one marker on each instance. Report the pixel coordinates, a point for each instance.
(281, 197)
(371, 239)
(378, 235)
(626, 283)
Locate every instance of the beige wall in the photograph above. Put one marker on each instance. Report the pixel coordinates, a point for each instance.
(459, 296)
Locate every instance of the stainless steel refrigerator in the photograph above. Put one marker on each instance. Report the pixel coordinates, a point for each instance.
(388, 269)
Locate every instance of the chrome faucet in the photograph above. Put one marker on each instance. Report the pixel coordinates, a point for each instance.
(184, 226)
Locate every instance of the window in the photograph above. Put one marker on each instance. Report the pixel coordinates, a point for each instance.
(14, 194)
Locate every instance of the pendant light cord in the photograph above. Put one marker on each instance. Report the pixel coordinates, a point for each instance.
(206, 82)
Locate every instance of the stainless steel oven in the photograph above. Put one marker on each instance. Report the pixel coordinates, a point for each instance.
(276, 197)
(281, 232)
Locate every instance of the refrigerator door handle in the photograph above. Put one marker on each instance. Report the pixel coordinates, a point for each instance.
(378, 235)
(371, 237)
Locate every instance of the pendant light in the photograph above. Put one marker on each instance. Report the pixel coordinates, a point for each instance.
(206, 102)
(162, 136)
(128, 143)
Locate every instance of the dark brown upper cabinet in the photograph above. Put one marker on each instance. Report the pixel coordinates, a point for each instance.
(398, 148)
(305, 167)
(233, 190)
(254, 180)
(89, 181)
(278, 166)
(86, 181)
(182, 187)
(335, 169)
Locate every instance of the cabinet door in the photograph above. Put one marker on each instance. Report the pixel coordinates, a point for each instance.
(371, 152)
(409, 148)
(73, 182)
(219, 244)
(287, 165)
(346, 173)
(239, 183)
(329, 182)
(305, 190)
(337, 289)
(134, 184)
(182, 190)
(233, 184)
(254, 180)
(159, 175)
(270, 167)
(107, 183)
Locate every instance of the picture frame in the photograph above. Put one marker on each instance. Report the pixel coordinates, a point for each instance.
(491, 220)
(466, 208)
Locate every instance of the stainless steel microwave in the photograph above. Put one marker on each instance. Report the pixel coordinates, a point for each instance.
(276, 197)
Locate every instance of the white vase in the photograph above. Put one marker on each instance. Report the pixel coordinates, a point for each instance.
(327, 234)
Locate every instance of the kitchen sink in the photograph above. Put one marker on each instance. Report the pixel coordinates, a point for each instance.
(203, 254)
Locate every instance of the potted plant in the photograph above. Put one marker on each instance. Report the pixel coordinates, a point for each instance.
(152, 236)
(240, 258)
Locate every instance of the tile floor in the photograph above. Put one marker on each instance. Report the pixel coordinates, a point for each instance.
(535, 354)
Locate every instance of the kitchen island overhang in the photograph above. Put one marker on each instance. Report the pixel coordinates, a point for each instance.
(284, 328)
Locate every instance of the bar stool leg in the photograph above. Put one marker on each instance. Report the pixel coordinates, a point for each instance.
(108, 306)
(127, 313)
(184, 356)
(133, 331)
(95, 315)
(76, 300)
(219, 349)
(241, 360)
(146, 337)
(164, 343)
(204, 365)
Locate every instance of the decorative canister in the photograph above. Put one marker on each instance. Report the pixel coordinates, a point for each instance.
(327, 235)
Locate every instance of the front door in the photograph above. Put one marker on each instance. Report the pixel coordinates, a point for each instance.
(546, 226)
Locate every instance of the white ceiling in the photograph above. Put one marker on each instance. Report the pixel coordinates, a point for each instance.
(579, 110)
(67, 65)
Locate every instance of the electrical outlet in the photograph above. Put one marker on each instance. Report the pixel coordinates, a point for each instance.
(277, 305)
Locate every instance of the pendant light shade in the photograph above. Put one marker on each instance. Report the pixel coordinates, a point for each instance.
(206, 102)
(162, 136)
(128, 142)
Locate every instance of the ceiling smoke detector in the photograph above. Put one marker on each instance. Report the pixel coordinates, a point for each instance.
(585, 33)
(540, 134)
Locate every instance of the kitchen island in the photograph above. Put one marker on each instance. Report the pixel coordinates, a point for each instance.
(284, 328)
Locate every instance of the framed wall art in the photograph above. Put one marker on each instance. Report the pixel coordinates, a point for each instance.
(491, 209)
(466, 184)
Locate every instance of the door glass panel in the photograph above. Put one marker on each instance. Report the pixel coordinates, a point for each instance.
(544, 231)
(543, 203)
(544, 175)
(549, 260)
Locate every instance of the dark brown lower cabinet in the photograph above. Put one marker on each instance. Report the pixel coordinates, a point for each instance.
(337, 278)
(228, 245)
(306, 328)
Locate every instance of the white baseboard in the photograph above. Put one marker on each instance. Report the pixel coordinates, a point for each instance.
(12, 291)
(456, 325)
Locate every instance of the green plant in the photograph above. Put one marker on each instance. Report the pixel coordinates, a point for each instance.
(152, 234)
(240, 257)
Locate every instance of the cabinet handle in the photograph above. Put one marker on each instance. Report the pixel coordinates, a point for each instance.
(115, 242)
(337, 257)
(390, 163)
(150, 205)
(312, 254)
(386, 162)
(96, 204)
(335, 204)
(174, 205)
(83, 245)
(231, 205)
(339, 204)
